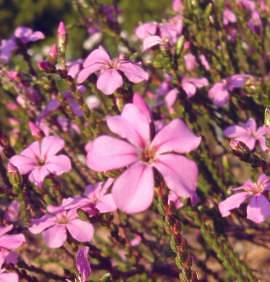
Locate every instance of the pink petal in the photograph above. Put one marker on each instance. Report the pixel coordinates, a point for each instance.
(175, 137)
(171, 97)
(38, 175)
(109, 81)
(234, 131)
(189, 88)
(258, 209)
(248, 140)
(55, 236)
(146, 29)
(133, 190)
(37, 35)
(139, 102)
(80, 230)
(231, 203)
(50, 146)
(98, 56)
(180, 174)
(109, 153)
(9, 277)
(151, 41)
(106, 204)
(40, 224)
(123, 128)
(5, 229)
(87, 71)
(12, 242)
(58, 164)
(133, 72)
(219, 94)
(23, 164)
(138, 120)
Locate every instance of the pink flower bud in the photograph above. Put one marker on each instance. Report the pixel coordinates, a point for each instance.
(52, 55)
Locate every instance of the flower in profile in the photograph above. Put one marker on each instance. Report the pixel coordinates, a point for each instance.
(109, 71)
(40, 159)
(190, 85)
(219, 93)
(133, 190)
(153, 34)
(60, 219)
(248, 134)
(82, 264)
(258, 208)
(229, 16)
(26, 35)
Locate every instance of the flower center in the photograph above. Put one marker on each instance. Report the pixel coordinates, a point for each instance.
(115, 63)
(62, 219)
(148, 155)
(256, 189)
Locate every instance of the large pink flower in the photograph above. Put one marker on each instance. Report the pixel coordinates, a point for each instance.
(133, 190)
(258, 208)
(58, 221)
(109, 71)
(40, 159)
(248, 134)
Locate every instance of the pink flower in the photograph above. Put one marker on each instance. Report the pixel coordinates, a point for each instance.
(228, 16)
(60, 219)
(190, 85)
(96, 197)
(109, 78)
(26, 35)
(40, 159)
(8, 243)
(258, 208)
(164, 34)
(219, 93)
(248, 134)
(82, 264)
(133, 190)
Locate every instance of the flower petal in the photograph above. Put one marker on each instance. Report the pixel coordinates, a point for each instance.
(138, 121)
(232, 202)
(58, 164)
(97, 56)
(180, 174)
(151, 41)
(82, 263)
(9, 277)
(38, 175)
(12, 242)
(133, 190)
(109, 153)
(106, 204)
(42, 223)
(133, 72)
(176, 137)
(109, 80)
(50, 146)
(80, 230)
(258, 209)
(23, 164)
(55, 236)
(87, 71)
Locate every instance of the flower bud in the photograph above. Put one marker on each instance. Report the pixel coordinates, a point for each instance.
(13, 175)
(52, 55)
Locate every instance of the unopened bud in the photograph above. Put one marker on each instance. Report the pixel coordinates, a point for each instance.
(46, 66)
(267, 116)
(35, 130)
(52, 55)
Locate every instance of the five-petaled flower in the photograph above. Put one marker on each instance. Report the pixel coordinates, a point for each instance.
(258, 208)
(133, 190)
(40, 159)
(109, 71)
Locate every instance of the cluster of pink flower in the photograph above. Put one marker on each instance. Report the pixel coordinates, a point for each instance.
(136, 148)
